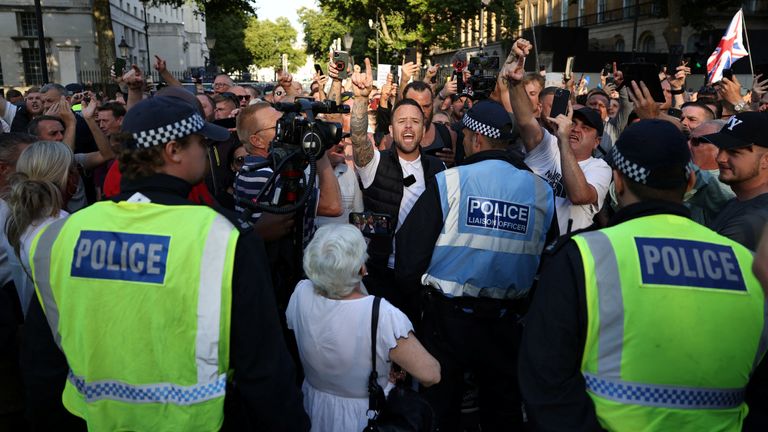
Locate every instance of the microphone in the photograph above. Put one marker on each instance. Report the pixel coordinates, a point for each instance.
(408, 181)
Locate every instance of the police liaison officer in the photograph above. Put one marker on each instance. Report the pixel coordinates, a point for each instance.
(653, 323)
(162, 309)
(472, 242)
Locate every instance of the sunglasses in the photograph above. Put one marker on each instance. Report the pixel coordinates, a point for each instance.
(244, 97)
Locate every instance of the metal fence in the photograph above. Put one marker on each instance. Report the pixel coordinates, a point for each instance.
(644, 10)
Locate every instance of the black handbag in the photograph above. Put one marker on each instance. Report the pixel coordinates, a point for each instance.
(404, 410)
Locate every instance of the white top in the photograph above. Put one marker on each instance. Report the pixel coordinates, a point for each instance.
(410, 193)
(21, 271)
(351, 195)
(334, 340)
(544, 160)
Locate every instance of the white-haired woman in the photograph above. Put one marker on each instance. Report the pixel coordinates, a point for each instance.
(330, 315)
(37, 193)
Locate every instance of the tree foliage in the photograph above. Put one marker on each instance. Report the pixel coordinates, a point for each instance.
(228, 27)
(268, 40)
(422, 24)
(321, 28)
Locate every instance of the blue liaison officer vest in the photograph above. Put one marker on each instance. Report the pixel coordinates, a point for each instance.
(495, 223)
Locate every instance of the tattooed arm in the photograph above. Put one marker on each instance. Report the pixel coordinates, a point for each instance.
(361, 85)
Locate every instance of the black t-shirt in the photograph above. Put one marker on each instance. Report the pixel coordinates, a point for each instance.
(743, 221)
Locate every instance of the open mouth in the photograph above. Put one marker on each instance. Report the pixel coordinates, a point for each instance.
(408, 137)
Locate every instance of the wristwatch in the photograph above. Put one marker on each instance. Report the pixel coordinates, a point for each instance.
(739, 107)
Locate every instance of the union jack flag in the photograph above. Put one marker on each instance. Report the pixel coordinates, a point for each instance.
(730, 49)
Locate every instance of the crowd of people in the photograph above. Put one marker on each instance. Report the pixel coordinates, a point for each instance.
(597, 268)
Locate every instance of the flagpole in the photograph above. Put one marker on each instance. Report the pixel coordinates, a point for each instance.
(746, 40)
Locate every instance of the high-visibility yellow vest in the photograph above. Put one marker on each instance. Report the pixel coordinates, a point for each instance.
(138, 298)
(676, 325)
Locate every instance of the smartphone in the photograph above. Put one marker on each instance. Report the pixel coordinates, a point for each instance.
(648, 73)
(395, 78)
(569, 67)
(373, 224)
(341, 61)
(675, 112)
(410, 55)
(608, 69)
(318, 69)
(459, 77)
(119, 67)
(728, 73)
(560, 103)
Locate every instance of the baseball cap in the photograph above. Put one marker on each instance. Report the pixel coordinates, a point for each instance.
(490, 119)
(591, 118)
(741, 130)
(160, 119)
(653, 153)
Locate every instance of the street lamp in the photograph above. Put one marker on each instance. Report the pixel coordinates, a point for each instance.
(210, 42)
(348, 41)
(375, 26)
(148, 71)
(124, 48)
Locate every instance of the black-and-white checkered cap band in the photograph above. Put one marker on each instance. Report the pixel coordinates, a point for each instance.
(632, 170)
(169, 132)
(480, 127)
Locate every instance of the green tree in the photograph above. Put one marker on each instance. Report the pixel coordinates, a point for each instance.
(422, 24)
(228, 27)
(321, 28)
(268, 40)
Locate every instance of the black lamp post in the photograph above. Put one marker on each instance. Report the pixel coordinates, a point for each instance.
(124, 49)
(210, 42)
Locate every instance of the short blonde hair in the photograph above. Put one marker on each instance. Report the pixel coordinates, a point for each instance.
(333, 259)
(248, 123)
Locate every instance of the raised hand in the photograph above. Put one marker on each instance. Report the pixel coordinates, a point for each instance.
(160, 65)
(89, 111)
(362, 82)
(645, 106)
(133, 78)
(514, 66)
(677, 81)
(431, 72)
(409, 70)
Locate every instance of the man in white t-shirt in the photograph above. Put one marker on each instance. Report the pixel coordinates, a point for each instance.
(392, 180)
(580, 181)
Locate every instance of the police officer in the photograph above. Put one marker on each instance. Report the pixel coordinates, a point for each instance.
(474, 239)
(653, 323)
(162, 309)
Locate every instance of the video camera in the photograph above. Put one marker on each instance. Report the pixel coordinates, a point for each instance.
(300, 139)
(299, 133)
(484, 70)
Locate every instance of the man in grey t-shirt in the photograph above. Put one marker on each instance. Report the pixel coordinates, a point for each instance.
(743, 163)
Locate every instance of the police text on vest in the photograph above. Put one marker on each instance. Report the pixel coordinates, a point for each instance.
(120, 256)
(688, 263)
(495, 214)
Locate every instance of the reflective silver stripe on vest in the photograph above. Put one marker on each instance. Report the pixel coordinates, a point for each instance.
(663, 396)
(452, 237)
(611, 305)
(213, 264)
(42, 276)
(149, 393)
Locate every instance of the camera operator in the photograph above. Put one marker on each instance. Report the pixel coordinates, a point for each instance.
(392, 179)
(256, 128)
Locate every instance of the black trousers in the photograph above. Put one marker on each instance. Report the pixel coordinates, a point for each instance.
(380, 282)
(481, 336)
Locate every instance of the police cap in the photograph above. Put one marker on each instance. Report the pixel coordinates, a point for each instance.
(490, 119)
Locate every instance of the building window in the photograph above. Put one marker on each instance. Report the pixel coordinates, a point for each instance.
(619, 45)
(564, 12)
(27, 24)
(33, 74)
(600, 10)
(647, 43)
(629, 8)
(580, 12)
(549, 10)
